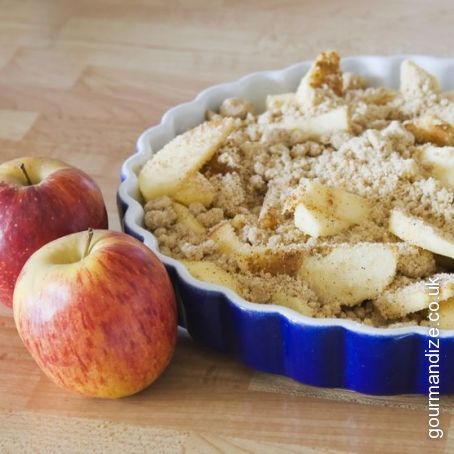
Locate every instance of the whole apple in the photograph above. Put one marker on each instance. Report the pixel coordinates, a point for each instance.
(98, 315)
(41, 200)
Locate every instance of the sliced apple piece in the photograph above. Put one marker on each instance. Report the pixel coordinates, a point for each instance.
(187, 218)
(439, 162)
(444, 109)
(256, 258)
(446, 313)
(227, 240)
(270, 213)
(420, 233)
(335, 202)
(210, 272)
(292, 302)
(315, 223)
(350, 274)
(196, 189)
(313, 128)
(414, 80)
(430, 128)
(325, 71)
(321, 210)
(406, 296)
(182, 157)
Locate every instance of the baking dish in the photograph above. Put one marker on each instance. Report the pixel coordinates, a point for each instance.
(319, 352)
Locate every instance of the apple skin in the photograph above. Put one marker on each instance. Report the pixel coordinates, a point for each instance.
(102, 326)
(63, 200)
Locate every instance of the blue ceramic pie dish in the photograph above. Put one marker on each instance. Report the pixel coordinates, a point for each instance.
(320, 352)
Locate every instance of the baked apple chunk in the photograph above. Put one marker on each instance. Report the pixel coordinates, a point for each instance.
(337, 200)
(171, 167)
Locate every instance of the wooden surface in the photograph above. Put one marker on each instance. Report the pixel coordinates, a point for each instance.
(79, 80)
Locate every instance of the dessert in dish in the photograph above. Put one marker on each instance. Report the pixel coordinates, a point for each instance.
(336, 201)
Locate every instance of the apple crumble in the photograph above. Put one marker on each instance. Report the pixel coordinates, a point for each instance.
(336, 201)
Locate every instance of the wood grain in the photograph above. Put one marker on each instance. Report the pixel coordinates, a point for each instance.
(80, 81)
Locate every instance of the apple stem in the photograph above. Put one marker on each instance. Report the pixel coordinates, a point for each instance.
(24, 170)
(90, 237)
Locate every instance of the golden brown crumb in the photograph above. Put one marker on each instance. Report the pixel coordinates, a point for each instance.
(155, 219)
(415, 262)
(258, 166)
(327, 71)
(211, 217)
(432, 129)
(236, 107)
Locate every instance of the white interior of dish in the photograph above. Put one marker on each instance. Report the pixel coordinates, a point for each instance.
(254, 87)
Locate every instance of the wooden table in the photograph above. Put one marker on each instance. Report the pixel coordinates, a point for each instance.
(79, 80)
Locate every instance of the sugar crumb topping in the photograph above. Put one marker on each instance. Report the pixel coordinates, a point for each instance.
(374, 155)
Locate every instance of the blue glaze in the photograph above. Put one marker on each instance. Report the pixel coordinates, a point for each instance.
(327, 356)
(339, 354)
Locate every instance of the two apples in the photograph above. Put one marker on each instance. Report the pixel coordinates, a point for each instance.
(95, 308)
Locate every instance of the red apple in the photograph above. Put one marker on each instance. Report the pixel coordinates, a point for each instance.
(99, 319)
(41, 200)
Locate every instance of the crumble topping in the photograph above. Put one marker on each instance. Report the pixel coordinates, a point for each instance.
(347, 155)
